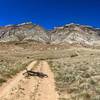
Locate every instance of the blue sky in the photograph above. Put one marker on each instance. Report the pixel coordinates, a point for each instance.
(50, 13)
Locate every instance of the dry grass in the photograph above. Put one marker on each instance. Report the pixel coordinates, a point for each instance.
(9, 68)
(78, 76)
(77, 71)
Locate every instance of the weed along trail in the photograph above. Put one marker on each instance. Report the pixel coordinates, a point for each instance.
(32, 87)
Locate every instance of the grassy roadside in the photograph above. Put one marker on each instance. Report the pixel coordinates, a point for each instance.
(78, 76)
(8, 69)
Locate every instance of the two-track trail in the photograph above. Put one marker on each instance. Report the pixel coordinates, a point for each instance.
(32, 88)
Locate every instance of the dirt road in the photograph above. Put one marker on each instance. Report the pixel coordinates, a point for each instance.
(32, 88)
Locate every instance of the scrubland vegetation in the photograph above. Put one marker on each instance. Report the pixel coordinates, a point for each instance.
(76, 70)
(78, 76)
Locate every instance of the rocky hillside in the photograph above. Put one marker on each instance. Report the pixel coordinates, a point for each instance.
(71, 33)
(23, 32)
(74, 33)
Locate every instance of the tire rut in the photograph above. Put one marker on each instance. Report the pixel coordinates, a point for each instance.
(32, 88)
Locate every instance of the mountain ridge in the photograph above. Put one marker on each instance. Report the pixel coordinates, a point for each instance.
(69, 33)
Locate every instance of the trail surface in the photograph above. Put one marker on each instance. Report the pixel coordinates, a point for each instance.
(32, 88)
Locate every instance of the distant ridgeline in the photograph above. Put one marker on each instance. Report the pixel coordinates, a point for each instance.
(71, 33)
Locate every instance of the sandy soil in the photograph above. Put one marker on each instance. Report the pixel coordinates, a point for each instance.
(32, 88)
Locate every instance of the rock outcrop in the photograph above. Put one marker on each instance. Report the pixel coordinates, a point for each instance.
(74, 33)
(71, 33)
(23, 32)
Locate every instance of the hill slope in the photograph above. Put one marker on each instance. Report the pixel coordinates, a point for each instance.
(71, 33)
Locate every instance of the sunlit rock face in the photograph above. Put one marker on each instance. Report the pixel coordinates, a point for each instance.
(71, 33)
(74, 33)
(23, 32)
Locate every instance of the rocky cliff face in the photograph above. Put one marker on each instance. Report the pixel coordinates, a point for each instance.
(72, 33)
(23, 32)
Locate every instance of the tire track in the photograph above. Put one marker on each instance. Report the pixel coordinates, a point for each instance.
(32, 88)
